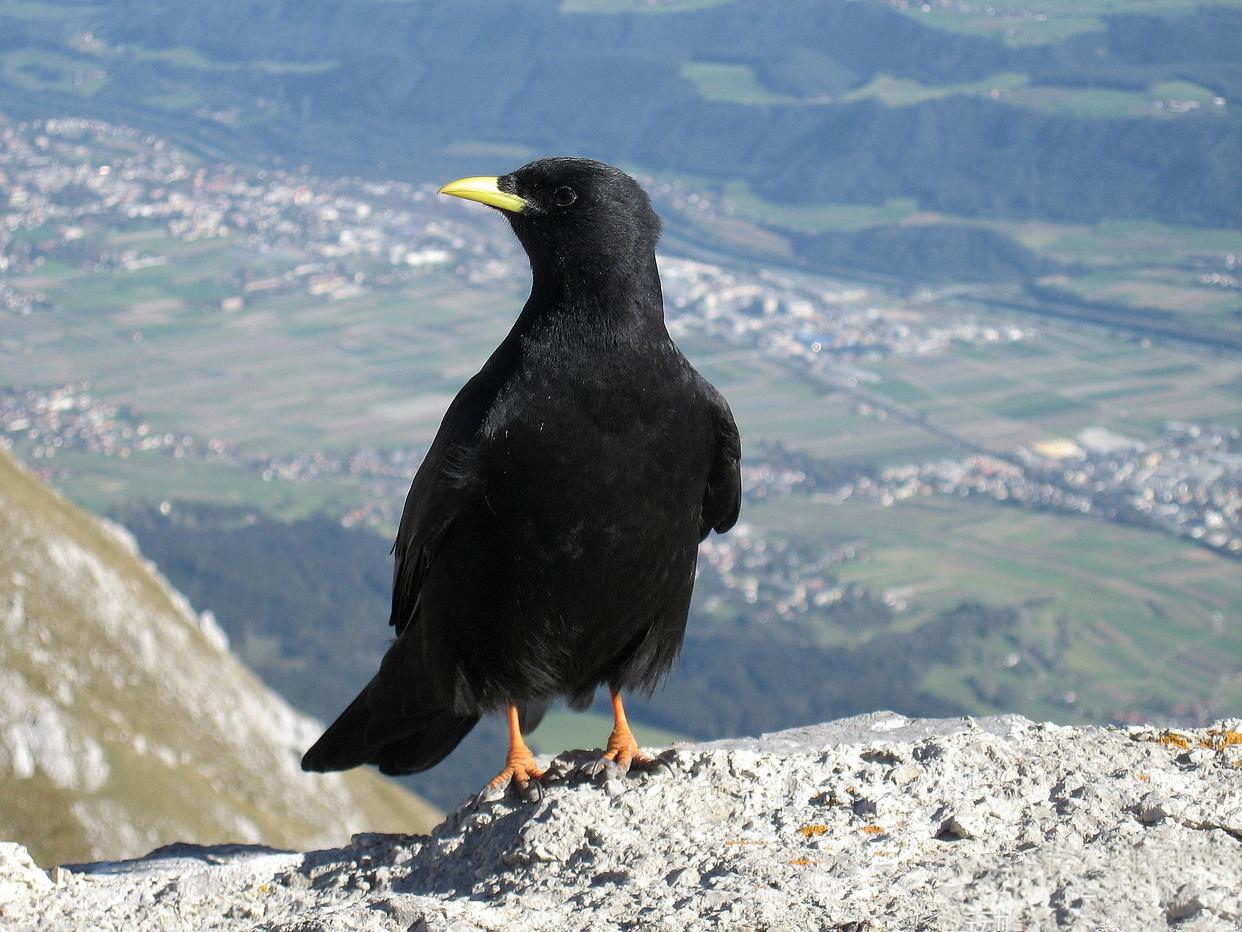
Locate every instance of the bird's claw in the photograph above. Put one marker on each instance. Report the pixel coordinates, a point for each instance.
(621, 758)
(592, 769)
(659, 765)
(520, 775)
(531, 791)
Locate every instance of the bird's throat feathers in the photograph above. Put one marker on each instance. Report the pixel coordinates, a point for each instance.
(604, 293)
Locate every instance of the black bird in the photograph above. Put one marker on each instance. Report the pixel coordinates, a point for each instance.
(548, 543)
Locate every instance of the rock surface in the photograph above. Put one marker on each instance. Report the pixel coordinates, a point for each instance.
(875, 822)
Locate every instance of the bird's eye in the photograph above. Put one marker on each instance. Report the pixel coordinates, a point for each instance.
(564, 197)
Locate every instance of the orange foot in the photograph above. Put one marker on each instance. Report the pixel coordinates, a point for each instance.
(623, 752)
(521, 771)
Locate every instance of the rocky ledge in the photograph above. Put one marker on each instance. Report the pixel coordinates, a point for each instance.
(875, 822)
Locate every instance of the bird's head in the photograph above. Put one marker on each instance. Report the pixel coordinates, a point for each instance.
(573, 216)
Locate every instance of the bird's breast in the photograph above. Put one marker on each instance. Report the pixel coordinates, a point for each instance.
(603, 453)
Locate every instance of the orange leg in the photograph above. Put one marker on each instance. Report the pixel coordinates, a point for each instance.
(623, 751)
(520, 767)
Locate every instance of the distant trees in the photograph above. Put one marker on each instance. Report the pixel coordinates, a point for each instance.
(934, 252)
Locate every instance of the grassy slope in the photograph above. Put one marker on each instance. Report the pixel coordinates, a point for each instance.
(96, 645)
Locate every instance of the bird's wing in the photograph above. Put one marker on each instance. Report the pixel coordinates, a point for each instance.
(444, 484)
(722, 499)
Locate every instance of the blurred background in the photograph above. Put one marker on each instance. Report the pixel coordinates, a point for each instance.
(967, 272)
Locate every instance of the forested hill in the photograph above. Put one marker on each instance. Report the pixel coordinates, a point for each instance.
(819, 102)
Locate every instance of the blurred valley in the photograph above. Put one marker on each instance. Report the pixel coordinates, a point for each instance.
(969, 280)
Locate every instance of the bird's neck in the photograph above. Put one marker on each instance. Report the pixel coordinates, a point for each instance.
(608, 296)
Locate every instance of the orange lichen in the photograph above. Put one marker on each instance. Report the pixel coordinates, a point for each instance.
(871, 830)
(801, 862)
(1219, 740)
(1173, 739)
(813, 831)
(1143, 778)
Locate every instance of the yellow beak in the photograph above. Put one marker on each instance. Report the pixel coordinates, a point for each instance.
(485, 191)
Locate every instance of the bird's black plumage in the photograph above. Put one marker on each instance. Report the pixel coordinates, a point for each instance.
(549, 540)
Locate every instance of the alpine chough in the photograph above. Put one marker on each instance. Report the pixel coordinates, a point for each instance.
(549, 540)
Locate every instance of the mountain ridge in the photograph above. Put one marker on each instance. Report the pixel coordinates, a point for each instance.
(125, 722)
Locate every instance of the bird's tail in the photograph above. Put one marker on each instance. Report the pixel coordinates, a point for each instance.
(396, 743)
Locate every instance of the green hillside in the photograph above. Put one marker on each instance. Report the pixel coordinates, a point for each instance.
(125, 723)
(827, 102)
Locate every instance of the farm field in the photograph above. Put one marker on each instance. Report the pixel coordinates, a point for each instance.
(103, 483)
(725, 82)
(295, 374)
(289, 374)
(1166, 274)
(1059, 383)
(993, 398)
(1037, 23)
(1112, 617)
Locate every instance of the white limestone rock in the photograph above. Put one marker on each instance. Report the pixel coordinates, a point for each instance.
(875, 822)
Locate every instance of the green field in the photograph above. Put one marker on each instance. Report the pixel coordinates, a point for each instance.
(995, 397)
(814, 218)
(296, 373)
(1139, 264)
(728, 82)
(1057, 384)
(1127, 619)
(182, 57)
(774, 405)
(103, 484)
(902, 92)
(1165, 99)
(289, 374)
(1036, 23)
(41, 70)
